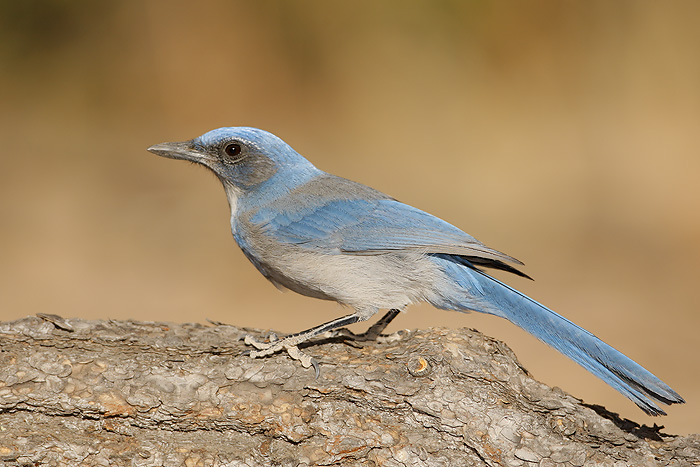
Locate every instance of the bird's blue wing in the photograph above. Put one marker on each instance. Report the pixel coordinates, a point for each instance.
(369, 227)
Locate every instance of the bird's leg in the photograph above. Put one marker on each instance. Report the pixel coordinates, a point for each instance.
(374, 331)
(290, 343)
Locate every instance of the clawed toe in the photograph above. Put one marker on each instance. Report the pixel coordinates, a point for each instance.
(276, 345)
(258, 344)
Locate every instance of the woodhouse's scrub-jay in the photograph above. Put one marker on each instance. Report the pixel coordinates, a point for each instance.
(327, 237)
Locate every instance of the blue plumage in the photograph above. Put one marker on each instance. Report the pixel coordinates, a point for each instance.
(331, 238)
(487, 295)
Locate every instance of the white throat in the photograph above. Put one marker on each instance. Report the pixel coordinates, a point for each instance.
(232, 193)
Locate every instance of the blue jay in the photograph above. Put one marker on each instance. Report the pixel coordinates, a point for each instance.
(327, 237)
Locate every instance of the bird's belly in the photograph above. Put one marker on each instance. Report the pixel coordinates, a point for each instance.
(391, 280)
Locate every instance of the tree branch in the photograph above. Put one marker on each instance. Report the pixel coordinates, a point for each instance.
(134, 393)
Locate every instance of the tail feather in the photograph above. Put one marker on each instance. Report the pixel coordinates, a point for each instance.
(480, 292)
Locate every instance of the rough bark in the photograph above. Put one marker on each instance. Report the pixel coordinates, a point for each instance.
(75, 392)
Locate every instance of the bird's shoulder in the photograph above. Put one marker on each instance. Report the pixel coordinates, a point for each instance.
(322, 196)
(327, 188)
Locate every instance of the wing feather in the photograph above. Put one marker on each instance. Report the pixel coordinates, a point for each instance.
(373, 227)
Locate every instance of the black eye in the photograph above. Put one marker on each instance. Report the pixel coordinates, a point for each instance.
(232, 149)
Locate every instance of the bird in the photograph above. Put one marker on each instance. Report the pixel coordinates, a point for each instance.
(331, 238)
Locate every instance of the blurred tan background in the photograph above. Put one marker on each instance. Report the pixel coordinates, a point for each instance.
(562, 133)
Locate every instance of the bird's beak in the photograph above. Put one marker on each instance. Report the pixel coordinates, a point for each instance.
(184, 150)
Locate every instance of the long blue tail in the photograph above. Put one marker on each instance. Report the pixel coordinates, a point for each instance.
(478, 291)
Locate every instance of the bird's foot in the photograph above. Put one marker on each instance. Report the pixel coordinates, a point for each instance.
(276, 345)
(272, 339)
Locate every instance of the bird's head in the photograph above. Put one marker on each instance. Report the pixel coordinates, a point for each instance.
(243, 158)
